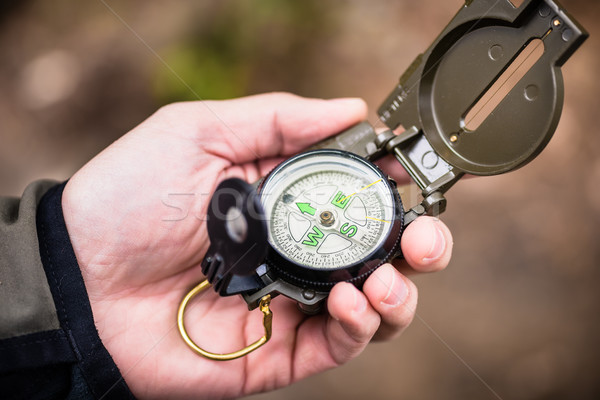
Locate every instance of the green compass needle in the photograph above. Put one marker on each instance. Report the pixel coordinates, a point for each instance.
(306, 208)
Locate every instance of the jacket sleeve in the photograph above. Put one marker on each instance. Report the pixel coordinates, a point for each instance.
(49, 345)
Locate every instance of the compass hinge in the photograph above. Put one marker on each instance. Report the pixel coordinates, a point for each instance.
(432, 174)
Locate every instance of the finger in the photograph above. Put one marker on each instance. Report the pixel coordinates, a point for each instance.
(327, 341)
(426, 245)
(266, 125)
(394, 297)
(352, 324)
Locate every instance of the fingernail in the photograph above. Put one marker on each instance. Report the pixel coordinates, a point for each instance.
(438, 244)
(397, 289)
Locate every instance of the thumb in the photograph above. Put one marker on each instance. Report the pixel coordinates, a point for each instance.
(266, 125)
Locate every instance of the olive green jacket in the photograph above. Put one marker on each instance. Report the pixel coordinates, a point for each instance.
(26, 304)
(49, 344)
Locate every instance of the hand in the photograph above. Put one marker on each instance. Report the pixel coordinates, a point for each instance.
(139, 247)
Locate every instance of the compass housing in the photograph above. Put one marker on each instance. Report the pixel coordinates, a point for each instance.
(286, 266)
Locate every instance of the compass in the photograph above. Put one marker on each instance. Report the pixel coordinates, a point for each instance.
(484, 99)
(332, 216)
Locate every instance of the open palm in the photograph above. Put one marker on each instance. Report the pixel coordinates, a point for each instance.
(135, 216)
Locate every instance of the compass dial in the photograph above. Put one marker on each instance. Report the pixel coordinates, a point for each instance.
(328, 210)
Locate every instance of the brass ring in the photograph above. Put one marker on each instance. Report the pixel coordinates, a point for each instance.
(267, 323)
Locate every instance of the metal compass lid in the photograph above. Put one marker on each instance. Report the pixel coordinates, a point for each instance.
(494, 59)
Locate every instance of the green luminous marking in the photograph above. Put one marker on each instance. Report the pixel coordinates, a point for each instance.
(348, 230)
(340, 200)
(313, 237)
(305, 208)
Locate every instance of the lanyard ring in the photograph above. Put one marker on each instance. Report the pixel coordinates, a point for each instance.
(267, 323)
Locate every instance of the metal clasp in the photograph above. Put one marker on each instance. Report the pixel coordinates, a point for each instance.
(267, 323)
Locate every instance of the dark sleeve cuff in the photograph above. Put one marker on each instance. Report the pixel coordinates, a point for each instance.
(93, 362)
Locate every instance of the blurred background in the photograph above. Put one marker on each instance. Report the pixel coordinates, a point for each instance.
(515, 316)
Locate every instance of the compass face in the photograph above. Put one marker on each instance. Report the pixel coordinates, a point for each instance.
(327, 210)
